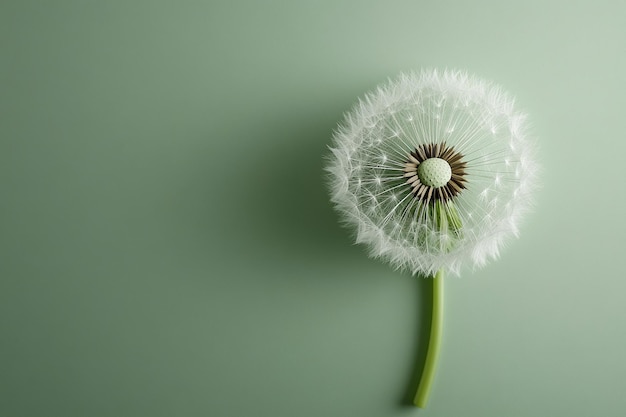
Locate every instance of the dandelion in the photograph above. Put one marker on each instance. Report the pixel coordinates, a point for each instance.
(433, 171)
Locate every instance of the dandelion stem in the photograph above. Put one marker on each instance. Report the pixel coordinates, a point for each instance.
(434, 344)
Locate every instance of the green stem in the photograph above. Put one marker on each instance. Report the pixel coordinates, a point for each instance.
(434, 345)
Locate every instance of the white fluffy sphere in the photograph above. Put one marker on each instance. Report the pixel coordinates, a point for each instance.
(401, 212)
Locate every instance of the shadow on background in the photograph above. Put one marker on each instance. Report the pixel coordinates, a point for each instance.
(294, 203)
(275, 204)
(295, 207)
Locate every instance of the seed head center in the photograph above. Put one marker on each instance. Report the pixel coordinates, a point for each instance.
(434, 172)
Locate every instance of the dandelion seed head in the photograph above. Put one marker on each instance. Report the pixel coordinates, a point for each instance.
(433, 170)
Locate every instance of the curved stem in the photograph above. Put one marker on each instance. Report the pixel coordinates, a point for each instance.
(434, 344)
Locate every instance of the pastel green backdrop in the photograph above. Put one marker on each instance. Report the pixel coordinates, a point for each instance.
(168, 248)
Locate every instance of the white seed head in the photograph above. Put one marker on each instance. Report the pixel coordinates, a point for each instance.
(433, 170)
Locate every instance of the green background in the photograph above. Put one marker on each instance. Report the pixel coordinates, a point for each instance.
(167, 248)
